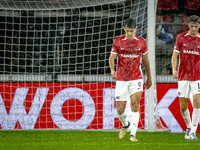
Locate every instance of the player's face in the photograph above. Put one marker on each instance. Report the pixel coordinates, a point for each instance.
(194, 27)
(130, 32)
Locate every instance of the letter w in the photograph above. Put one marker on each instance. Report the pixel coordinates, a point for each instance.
(18, 112)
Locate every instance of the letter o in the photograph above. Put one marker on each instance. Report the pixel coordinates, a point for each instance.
(82, 96)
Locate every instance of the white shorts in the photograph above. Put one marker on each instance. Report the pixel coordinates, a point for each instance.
(185, 87)
(124, 89)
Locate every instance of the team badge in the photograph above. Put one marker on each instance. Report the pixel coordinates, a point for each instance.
(117, 97)
(139, 85)
(199, 46)
(137, 49)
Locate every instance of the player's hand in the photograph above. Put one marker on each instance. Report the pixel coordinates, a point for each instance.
(175, 74)
(113, 75)
(148, 83)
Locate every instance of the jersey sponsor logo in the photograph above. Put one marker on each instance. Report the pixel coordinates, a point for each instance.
(122, 48)
(185, 44)
(191, 52)
(129, 56)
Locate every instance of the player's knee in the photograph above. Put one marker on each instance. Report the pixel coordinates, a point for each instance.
(120, 110)
(120, 107)
(196, 103)
(183, 107)
(135, 107)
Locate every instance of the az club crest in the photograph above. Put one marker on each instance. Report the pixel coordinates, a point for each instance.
(137, 49)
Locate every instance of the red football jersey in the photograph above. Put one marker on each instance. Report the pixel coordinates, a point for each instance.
(129, 57)
(189, 49)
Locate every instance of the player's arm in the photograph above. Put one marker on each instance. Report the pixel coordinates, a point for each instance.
(112, 65)
(174, 64)
(145, 61)
(175, 54)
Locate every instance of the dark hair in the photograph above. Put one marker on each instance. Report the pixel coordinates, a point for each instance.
(194, 19)
(130, 23)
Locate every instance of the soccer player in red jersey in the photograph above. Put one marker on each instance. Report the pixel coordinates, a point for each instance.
(129, 48)
(188, 75)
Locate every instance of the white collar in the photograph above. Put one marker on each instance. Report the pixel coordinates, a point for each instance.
(134, 38)
(188, 34)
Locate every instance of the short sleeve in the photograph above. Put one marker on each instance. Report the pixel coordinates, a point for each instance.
(144, 49)
(178, 44)
(114, 48)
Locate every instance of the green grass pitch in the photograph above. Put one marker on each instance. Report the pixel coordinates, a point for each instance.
(92, 140)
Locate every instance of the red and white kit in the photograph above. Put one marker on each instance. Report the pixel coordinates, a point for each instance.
(189, 66)
(129, 57)
(189, 49)
(129, 73)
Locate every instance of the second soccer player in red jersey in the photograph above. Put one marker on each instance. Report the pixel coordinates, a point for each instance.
(188, 47)
(129, 48)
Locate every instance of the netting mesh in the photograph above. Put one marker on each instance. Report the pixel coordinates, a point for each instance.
(53, 4)
(54, 60)
(69, 41)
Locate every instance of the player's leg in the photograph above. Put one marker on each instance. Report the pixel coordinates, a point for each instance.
(195, 89)
(121, 105)
(184, 111)
(195, 115)
(186, 115)
(121, 97)
(183, 93)
(135, 90)
(135, 105)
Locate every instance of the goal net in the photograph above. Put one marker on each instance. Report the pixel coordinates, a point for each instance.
(54, 71)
